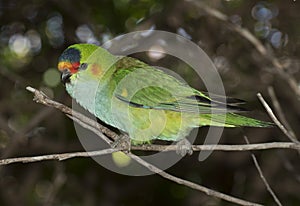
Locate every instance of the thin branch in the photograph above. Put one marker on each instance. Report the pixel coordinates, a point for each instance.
(286, 162)
(158, 148)
(233, 148)
(275, 120)
(261, 174)
(280, 113)
(253, 40)
(60, 157)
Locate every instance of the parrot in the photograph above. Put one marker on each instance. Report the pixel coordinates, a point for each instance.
(141, 100)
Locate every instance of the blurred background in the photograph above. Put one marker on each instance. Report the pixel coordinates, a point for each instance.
(33, 34)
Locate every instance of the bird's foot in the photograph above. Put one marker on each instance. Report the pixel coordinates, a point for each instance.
(184, 147)
(123, 142)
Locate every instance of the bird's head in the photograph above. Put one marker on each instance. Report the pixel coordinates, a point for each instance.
(74, 60)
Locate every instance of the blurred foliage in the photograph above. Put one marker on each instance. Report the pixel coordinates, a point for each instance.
(34, 32)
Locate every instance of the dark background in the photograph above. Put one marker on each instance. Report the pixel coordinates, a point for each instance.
(33, 33)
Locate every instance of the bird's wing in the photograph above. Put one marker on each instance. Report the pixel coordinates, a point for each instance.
(141, 85)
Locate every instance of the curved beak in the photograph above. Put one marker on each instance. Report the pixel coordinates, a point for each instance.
(65, 76)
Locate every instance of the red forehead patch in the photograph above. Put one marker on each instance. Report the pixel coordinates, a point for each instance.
(72, 67)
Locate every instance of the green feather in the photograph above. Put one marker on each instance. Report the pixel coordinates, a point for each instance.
(231, 120)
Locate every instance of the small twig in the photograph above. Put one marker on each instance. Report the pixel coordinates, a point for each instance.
(275, 120)
(280, 113)
(60, 157)
(272, 193)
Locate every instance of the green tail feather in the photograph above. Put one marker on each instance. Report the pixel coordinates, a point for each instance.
(231, 120)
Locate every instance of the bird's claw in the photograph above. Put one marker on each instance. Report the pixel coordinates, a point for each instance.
(123, 142)
(184, 147)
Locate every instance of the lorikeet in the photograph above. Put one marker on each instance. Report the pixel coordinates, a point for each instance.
(141, 100)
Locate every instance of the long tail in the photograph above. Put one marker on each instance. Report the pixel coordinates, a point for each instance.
(231, 120)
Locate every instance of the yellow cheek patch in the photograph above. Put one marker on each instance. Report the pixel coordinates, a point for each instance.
(96, 69)
(64, 65)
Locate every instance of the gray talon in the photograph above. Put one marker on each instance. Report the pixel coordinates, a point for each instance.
(184, 147)
(122, 142)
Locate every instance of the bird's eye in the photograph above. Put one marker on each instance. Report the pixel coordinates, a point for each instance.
(83, 66)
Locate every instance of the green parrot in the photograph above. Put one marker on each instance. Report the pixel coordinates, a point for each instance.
(141, 100)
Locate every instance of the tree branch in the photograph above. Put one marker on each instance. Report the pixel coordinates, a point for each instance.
(280, 113)
(233, 148)
(60, 157)
(158, 148)
(275, 120)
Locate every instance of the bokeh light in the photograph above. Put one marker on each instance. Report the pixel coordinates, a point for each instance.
(277, 38)
(86, 35)
(264, 13)
(51, 77)
(183, 33)
(35, 41)
(262, 29)
(19, 44)
(156, 52)
(54, 30)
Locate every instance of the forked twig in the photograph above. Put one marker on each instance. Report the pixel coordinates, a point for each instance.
(275, 120)
(262, 176)
(281, 115)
